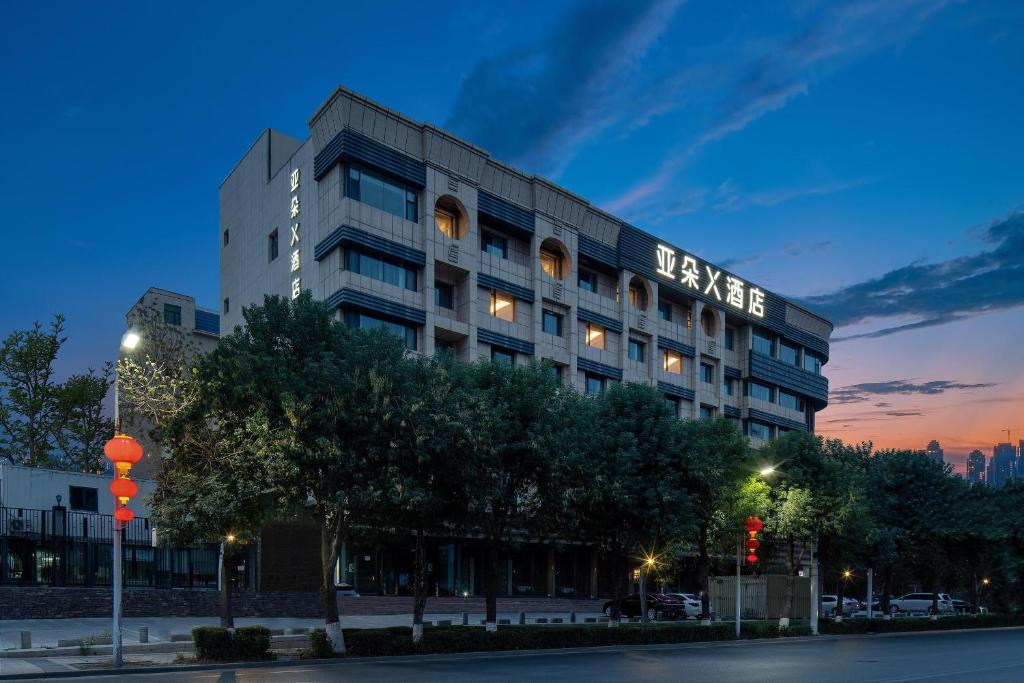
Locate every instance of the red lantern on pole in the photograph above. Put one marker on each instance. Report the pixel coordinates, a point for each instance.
(753, 544)
(754, 524)
(123, 490)
(751, 558)
(124, 515)
(123, 451)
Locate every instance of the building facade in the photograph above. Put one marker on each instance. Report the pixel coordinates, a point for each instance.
(400, 224)
(934, 451)
(975, 466)
(1003, 466)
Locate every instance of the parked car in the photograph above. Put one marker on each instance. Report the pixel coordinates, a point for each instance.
(657, 604)
(828, 605)
(921, 602)
(346, 590)
(965, 607)
(692, 603)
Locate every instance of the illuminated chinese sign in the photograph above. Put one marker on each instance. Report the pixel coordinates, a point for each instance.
(294, 209)
(704, 278)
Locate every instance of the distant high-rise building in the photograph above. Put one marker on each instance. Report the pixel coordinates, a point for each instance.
(976, 466)
(1004, 464)
(934, 451)
(1020, 459)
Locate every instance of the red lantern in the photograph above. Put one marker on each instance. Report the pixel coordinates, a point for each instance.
(751, 558)
(123, 489)
(124, 515)
(123, 451)
(754, 524)
(753, 544)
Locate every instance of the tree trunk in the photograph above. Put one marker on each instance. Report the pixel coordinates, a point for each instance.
(419, 581)
(643, 595)
(886, 614)
(974, 591)
(330, 545)
(491, 618)
(787, 600)
(840, 594)
(227, 619)
(617, 578)
(704, 574)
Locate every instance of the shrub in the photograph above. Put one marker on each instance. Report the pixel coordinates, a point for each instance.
(772, 630)
(212, 643)
(319, 645)
(251, 642)
(854, 626)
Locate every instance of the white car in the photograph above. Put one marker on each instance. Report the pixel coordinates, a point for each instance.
(692, 603)
(828, 605)
(921, 602)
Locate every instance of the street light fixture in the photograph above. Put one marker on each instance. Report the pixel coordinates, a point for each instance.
(767, 471)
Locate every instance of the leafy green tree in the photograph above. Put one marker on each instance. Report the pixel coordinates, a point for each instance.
(628, 495)
(82, 427)
(510, 463)
(29, 398)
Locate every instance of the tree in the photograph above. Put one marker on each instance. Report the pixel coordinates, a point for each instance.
(82, 427)
(511, 459)
(627, 494)
(29, 402)
(718, 460)
(307, 378)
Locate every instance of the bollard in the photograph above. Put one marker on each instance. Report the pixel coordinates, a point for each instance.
(465, 618)
(26, 640)
(572, 617)
(143, 634)
(522, 618)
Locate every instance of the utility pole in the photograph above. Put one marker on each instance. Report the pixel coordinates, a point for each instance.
(871, 577)
(739, 552)
(814, 586)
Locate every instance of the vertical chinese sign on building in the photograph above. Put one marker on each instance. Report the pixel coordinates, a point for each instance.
(294, 212)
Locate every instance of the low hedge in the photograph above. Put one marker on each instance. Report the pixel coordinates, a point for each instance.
(216, 644)
(397, 640)
(854, 626)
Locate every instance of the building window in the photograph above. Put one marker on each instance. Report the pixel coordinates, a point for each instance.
(499, 355)
(172, 314)
(503, 305)
(759, 391)
(672, 403)
(595, 335)
(495, 245)
(729, 386)
(707, 373)
(789, 354)
(689, 317)
(672, 361)
(551, 263)
(272, 246)
(391, 272)
(554, 370)
(665, 310)
(376, 190)
(707, 412)
(707, 323)
(227, 237)
(759, 430)
(363, 321)
(588, 281)
(730, 338)
(444, 348)
(444, 294)
(593, 384)
(227, 305)
(637, 294)
(636, 350)
(447, 222)
(791, 401)
(763, 342)
(83, 498)
(812, 363)
(551, 323)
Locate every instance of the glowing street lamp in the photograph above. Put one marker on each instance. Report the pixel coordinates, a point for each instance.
(767, 471)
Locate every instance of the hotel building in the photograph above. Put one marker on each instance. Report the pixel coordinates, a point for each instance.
(399, 224)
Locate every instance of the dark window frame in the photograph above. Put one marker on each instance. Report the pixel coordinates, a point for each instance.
(172, 314)
(557, 317)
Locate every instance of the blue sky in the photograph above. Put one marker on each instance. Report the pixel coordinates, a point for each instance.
(864, 156)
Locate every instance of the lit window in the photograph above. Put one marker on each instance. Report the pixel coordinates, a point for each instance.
(551, 263)
(588, 281)
(447, 223)
(636, 350)
(495, 245)
(272, 246)
(707, 373)
(444, 294)
(672, 361)
(503, 305)
(595, 335)
(665, 310)
(689, 318)
(502, 356)
(552, 323)
(593, 384)
(638, 296)
(172, 314)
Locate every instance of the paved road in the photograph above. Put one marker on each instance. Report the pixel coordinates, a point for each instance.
(979, 657)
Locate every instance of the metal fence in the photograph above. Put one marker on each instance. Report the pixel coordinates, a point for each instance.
(761, 597)
(58, 547)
